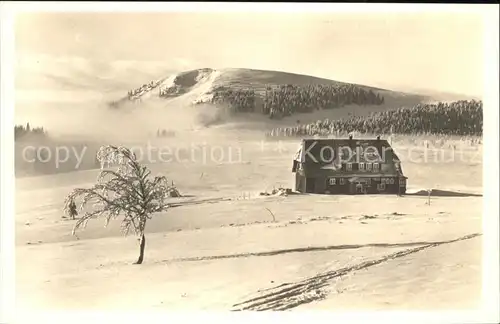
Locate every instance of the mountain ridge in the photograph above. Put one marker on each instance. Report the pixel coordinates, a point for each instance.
(181, 84)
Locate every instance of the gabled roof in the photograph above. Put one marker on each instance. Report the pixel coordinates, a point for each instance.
(328, 155)
(324, 151)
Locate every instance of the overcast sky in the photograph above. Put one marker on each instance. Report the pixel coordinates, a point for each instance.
(442, 52)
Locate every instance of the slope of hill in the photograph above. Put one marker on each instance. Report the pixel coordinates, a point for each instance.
(188, 95)
(198, 86)
(196, 95)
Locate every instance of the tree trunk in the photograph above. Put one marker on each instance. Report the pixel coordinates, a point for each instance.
(142, 246)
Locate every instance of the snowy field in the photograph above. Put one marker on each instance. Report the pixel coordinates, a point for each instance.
(224, 247)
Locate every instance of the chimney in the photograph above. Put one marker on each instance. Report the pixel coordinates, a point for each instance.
(350, 137)
(378, 138)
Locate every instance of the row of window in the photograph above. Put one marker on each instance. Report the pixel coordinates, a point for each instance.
(384, 181)
(380, 186)
(364, 166)
(333, 181)
(387, 180)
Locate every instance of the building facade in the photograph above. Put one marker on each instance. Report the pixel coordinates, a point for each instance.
(348, 166)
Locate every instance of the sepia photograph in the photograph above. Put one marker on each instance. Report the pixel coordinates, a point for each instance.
(161, 157)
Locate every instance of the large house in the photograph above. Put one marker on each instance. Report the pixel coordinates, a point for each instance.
(348, 166)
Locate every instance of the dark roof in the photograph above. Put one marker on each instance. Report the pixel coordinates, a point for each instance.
(353, 150)
(316, 154)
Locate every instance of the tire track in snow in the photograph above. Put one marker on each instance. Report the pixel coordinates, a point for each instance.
(290, 295)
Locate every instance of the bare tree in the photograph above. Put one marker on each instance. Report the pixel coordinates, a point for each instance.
(128, 191)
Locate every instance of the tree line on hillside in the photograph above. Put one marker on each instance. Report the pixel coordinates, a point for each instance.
(162, 92)
(171, 91)
(239, 100)
(23, 130)
(285, 100)
(136, 93)
(463, 118)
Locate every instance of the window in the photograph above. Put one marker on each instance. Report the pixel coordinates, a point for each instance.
(332, 182)
(368, 181)
(376, 166)
(342, 181)
(368, 166)
(381, 187)
(361, 166)
(391, 181)
(349, 166)
(402, 182)
(344, 153)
